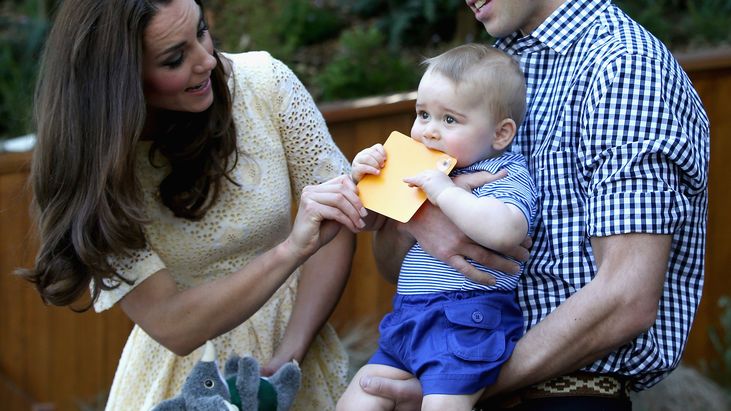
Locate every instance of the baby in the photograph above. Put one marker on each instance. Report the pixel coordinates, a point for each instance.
(452, 333)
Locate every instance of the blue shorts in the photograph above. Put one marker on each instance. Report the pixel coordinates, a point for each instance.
(453, 342)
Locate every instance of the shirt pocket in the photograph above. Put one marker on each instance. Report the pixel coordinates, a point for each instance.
(561, 203)
(474, 333)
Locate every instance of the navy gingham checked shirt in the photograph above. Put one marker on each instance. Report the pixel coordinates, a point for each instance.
(618, 142)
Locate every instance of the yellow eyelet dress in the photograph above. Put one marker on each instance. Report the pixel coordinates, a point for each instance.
(284, 145)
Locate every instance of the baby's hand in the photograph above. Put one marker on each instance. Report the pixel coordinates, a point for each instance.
(369, 161)
(433, 182)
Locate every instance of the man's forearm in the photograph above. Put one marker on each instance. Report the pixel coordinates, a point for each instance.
(390, 245)
(619, 304)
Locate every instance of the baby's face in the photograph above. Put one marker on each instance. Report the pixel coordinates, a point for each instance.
(453, 120)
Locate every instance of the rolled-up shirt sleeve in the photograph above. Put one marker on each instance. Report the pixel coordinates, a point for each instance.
(641, 164)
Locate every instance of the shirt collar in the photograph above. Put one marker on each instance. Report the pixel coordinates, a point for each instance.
(560, 30)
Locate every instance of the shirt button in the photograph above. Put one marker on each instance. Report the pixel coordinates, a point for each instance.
(477, 317)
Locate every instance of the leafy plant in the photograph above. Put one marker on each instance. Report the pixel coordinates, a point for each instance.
(654, 16)
(683, 23)
(21, 41)
(720, 371)
(280, 28)
(709, 21)
(409, 22)
(363, 66)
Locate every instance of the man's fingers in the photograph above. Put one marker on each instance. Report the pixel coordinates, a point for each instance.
(492, 259)
(520, 252)
(460, 264)
(472, 180)
(406, 394)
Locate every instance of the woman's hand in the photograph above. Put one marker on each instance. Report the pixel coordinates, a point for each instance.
(274, 364)
(323, 209)
(439, 237)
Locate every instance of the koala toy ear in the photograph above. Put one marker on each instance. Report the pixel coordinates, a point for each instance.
(275, 393)
(247, 381)
(286, 382)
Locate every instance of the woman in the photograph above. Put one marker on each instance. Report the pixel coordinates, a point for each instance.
(163, 178)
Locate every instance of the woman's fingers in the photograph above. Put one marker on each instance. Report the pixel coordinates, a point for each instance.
(336, 200)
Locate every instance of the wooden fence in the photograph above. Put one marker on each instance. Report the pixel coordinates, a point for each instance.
(54, 359)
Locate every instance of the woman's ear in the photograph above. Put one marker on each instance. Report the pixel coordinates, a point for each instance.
(504, 133)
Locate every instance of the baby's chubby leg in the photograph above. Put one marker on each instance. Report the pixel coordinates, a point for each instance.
(441, 402)
(356, 399)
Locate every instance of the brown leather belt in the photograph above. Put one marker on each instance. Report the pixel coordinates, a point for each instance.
(577, 384)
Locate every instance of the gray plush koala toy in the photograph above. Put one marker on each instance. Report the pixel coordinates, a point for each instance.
(242, 389)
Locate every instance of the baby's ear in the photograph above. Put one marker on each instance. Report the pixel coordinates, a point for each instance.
(504, 133)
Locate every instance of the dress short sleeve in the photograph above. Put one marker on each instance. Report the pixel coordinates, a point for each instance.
(136, 266)
(312, 155)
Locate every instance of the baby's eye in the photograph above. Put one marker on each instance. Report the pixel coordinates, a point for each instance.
(422, 115)
(450, 119)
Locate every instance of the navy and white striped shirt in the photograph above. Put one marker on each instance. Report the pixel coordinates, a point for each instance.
(618, 142)
(422, 274)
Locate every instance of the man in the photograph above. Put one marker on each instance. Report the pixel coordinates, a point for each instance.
(618, 143)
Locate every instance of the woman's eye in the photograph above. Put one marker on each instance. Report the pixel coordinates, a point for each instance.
(176, 62)
(202, 28)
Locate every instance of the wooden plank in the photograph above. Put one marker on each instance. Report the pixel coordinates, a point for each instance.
(714, 88)
(14, 318)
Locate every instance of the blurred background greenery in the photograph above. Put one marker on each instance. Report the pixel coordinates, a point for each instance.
(341, 49)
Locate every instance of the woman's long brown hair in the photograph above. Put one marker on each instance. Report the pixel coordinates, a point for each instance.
(90, 112)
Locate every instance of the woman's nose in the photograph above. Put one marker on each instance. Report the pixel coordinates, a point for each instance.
(207, 63)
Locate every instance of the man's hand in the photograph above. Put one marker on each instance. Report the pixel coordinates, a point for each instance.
(440, 238)
(406, 394)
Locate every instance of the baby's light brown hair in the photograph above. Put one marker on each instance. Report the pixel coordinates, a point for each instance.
(485, 72)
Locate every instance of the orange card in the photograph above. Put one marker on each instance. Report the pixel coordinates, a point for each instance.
(387, 193)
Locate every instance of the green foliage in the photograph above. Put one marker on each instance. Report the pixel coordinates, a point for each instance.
(720, 370)
(21, 41)
(307, 24)
(363, 66)
(339, 48)
(409, 22)
(709, 21)
(683, 23)
(280, 28)
(654, 16)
